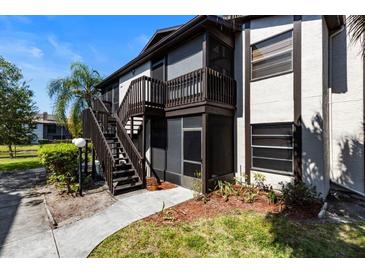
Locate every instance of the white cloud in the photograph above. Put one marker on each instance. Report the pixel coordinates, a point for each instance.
(36, 52)
(21, 47)
(63, 48)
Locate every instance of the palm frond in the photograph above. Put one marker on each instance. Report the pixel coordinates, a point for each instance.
(356, 28)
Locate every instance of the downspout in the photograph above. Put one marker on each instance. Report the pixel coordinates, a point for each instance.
(330, 133)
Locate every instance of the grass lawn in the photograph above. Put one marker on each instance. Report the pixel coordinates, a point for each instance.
(240, 234)
(26, 158)
(4, 148)
(7, 164)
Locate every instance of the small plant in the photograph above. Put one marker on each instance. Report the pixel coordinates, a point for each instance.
(242, 179)
(197, 184)
(259, 181)
(272, 197)
(60, 161)
(167, 214)
(297, 194)
(226, 189)
(198, 189)
(250, 195)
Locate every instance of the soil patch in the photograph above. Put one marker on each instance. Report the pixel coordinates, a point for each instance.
(195, 209)
(66, 208)
(216, 205)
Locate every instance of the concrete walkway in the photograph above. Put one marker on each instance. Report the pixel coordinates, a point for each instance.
(25, 231)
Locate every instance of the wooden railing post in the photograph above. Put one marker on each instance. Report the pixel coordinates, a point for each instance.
(86, 160)
(144, 150)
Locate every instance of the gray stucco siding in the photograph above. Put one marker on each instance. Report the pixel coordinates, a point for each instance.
(126, 79)
(346, 114)
(185, 59)
(313, 171)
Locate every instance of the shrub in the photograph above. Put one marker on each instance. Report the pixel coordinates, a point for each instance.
(297, 194)
(60, 161)
(44, 141)
(62, 141)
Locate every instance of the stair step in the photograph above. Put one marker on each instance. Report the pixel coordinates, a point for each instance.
(119, 153)
(120, 159)
(123, 173)
(122, 165)
(109, 135)
(132, 185)
(125, 180)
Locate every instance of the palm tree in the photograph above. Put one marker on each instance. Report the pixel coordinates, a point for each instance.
(74, 92)
(356, 27)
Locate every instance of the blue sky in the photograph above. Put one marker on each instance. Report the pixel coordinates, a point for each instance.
(44, 46)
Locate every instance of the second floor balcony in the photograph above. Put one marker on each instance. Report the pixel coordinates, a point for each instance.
(202, 86)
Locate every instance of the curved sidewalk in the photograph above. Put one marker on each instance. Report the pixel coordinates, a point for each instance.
(80, 238)
(24, 227)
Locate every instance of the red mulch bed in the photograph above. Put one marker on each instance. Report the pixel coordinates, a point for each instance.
(216, 205)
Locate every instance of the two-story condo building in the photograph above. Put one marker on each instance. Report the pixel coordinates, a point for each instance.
(222, 96)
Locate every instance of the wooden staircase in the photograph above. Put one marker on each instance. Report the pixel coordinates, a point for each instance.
(124, 175)
(101, 127)
(112, 134)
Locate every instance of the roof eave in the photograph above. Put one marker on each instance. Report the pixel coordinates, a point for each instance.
(165, 42)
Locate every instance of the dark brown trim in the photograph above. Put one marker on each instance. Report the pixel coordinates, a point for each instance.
(247, 68)
(197, 108)
(205, 175)
(297, 96)
(195, 25)
(205, 49)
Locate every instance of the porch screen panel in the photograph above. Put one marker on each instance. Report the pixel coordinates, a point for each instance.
(158, 145)
(220, 145)
(115, 98)
(220, 57)
(173, 160)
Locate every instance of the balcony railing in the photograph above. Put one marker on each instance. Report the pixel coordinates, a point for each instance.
(142, 92)
(202, 85)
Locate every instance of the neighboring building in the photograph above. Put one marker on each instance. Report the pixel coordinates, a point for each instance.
(47, 128)
(279, 95)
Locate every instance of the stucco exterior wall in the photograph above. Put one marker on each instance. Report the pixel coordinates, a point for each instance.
(346, 114)
(312, 102)
(185, 58)
(125, 80)
(272, 98)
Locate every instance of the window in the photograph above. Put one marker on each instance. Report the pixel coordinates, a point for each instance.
(51, 129)
(272, 56)
(272, 147)
(220, 57)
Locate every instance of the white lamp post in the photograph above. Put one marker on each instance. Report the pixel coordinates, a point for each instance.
(80, 143)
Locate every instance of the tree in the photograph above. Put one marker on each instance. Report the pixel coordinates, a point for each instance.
(17, 108)
(356, 27)
(75, 92)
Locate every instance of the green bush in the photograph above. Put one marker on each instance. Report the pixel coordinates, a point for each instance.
(62, 141)
(298, 194)
(60, 161)
(44, 141)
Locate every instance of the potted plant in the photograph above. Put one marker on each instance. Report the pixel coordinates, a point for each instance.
(152, 184)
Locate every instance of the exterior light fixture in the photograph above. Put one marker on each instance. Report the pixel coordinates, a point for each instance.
(80, 143)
